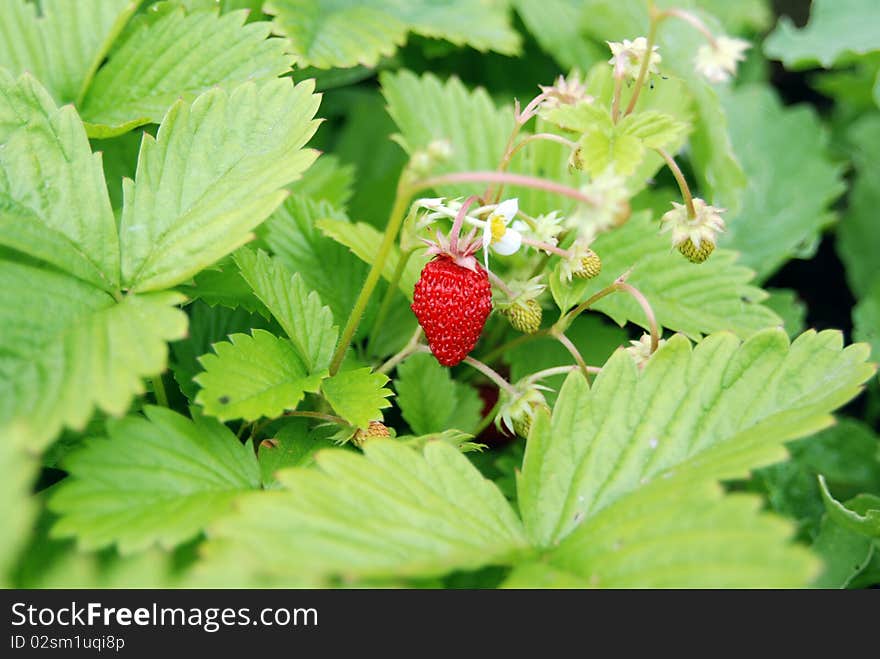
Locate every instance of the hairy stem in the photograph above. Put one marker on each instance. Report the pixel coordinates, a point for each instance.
(549, 137)
(561, 370)
(682, 182)
(500, 284)
(656, 18)
(566, 342)
(492, 375)
(646, 307)
(547, 247)
(411, 347)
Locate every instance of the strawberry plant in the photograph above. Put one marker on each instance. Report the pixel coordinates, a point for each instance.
(500, 294)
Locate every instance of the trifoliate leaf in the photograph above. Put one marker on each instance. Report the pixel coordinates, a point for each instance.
(306, 321)
(253, 376)
(791, 180)
(426, 109)
(154, 480)
(345, 33)
(53, 199)
(213, 173)
(430, 400)
(689, 298)
(174, 57)
(861, 515)
(64, 45)
(835, 28)
(364, 240)
(67, 348)
(717, 409)
(858, 237)
(357, 396)
(705, 540)
(391, 512)
(17, 507)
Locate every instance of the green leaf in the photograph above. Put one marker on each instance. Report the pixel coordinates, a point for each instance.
(426, 109)
(327, 180)
(555, 25)
(343, 33)
(53, 199)
(656, 130)
(306, 321)
(154, 480)
(861, 515)
(325, 265)
(292, 446)
(741, 16)
(64, 45)
(17, 507)
(705, 540)
(223, 284)
(688, 298)
(836, 28)
(786, 304)
(392, 512)
(858, 238)
(363, 240)
(791, 180)
(717, 409)
(213, 173)
(357, 396)
(178, 56)
(253, 376)
(866, 318)
(68, 348)
(601, 150)
(845, 554)
(430, 400)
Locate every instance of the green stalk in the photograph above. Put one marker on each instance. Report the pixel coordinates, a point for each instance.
(382, 314)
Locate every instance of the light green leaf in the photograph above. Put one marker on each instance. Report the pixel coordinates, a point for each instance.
(222, 284)
(786, 304)
(17, 507)
(67, 348)
(542, 575)
(213, 173)
(253, 376)
(555, 25)
(861, 514)
(685, 297)
(343, 33)
(705, 540)
(178, 57)
(154, 480)
(64, 45)
(715, 410)
(656, 130)
(292, 446)
(327, 181)
(580, 118)
(306, 321)
(791, 180)
(601, 150)
(845, 553)
(363, 240)
(858, 237)
(430, 400)
(325, 265)
(53, 199)
(426, 109)
(392, 512)
(836, 28)
(357, 396)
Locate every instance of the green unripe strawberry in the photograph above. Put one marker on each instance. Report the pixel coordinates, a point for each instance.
(524, 316)
(591, 266)
(696, 254)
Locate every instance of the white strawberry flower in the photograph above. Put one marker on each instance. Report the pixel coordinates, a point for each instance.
(627, 57)
(704, 227)
(499, 234)
(718, 62)
(641, 349)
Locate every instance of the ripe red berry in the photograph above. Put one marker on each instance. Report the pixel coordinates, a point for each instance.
(452, 303)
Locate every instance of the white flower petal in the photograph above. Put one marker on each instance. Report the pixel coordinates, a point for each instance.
(510, 242)
(507, 209)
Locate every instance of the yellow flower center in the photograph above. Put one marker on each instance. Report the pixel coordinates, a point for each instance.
(496, 222)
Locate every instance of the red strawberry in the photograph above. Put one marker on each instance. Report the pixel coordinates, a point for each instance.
(452, 303)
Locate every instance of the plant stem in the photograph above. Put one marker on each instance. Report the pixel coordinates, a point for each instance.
(411, 347)
(398, 212)
(389, 294)
(693, 21)
(524, 338)
(500, 284)
(486, 421)
(646, 307)
(656, 17)
(459, 220)
(566, 342)
(550, 137)
(618, 90)
(492, 375)
(546, 247)
(682, 182)
(503, 177)
(566, 319)
(318, 415)
(159, 391)
(561, 370)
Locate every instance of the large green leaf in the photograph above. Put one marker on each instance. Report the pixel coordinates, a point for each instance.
(63, 45)
(555, 24)
(392, 512)
(67, 348)
(791, 180)
(836, 28)
(430, 400)
(17, 507)
(343, 33)
(213, 173)
(253, 376)
(426, 109)
(357, 396)
(154, 480)
(307, 322)
(53, 200)
(689, 298)
(717, 410)
(178, 56)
